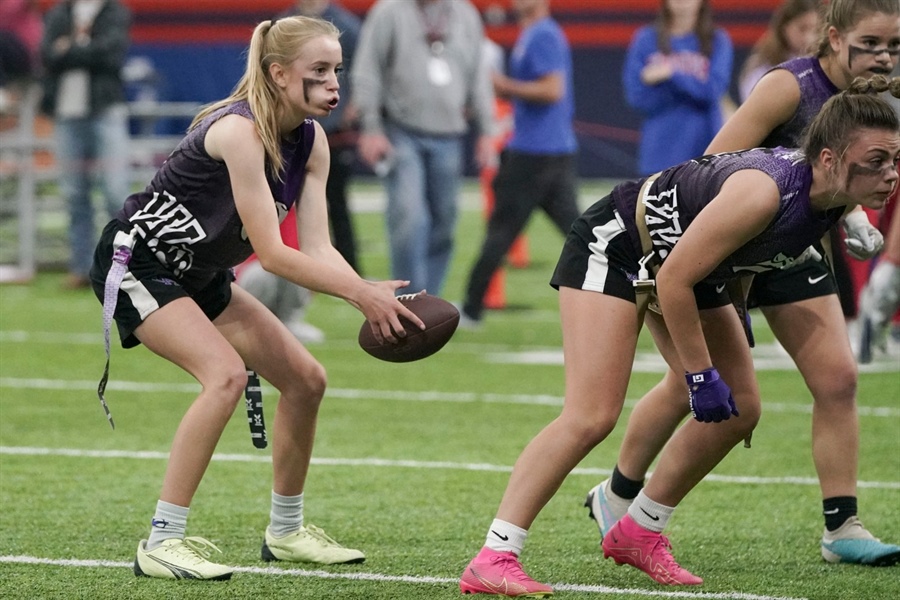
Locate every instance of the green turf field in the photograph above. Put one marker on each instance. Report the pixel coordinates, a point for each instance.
(410, 461)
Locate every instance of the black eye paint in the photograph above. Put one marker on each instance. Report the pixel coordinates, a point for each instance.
(855, 51)
(308, 84)
(856, 169)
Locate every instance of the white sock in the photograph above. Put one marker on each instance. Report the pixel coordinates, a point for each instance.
(286, 516)
(506, 537)
(618, 504)
(649, 514)
(169, 521)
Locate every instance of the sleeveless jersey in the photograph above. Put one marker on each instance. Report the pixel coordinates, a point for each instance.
(187, 215)
(815, 90)
(679, 194)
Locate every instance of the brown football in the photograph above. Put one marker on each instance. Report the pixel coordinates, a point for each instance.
(440, 318)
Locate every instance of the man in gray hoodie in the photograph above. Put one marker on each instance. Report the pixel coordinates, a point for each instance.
(417, 79)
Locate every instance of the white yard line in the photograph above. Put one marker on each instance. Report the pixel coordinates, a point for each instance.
(369, 462)
(412, 579)
(370, 394)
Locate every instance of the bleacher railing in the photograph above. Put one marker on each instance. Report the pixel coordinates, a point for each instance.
(33, 218)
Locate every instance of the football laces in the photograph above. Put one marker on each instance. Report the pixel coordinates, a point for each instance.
(403, 297)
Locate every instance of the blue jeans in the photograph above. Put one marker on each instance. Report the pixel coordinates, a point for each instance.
(91, 150)
(422, 205)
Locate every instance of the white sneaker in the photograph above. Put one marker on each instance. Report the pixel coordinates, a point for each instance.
(852, 543)
(180, 559)
(309, 544)
(306, 333)
(604, 507)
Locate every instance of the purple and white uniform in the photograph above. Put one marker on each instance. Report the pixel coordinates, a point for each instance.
(815, 90)
(187, 215)
(681, 192)
(601, 252)
(813, 278)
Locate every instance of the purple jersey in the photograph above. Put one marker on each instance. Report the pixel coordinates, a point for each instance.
(187, 214)
(681, 192)
(815, 90)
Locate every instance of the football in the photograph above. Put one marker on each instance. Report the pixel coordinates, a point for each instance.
(440, 318)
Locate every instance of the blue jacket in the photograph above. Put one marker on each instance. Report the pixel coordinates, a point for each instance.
(682, 114)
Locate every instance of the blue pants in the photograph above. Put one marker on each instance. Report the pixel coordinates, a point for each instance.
(422, 206)
(91, 150)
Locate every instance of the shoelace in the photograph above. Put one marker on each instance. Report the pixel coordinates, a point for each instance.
(511, 565)
(320, 535)
(669, 560)
(197, 549)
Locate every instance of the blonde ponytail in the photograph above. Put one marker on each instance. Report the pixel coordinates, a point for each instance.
(275, 41)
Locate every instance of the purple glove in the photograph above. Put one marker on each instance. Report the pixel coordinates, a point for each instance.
(711, 400)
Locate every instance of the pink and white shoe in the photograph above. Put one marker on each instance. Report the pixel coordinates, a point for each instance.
(501, 574)
(628, 543)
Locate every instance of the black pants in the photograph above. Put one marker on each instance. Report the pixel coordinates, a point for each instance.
(342, 159)
(523, 182)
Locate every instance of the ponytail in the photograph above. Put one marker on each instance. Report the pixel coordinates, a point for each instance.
(273, 41)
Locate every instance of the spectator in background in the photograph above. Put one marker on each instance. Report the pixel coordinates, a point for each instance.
(675, 74)
(20, 36)
(83, 50)
(417, 77)
(537, 167)
(793, 31)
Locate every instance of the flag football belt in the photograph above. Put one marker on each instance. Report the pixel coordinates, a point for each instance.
(645, 284)
(123, 244)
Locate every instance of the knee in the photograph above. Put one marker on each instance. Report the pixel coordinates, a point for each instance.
(315, 382)
(835, 384)
(307, 385)
(750, 412)
(228, 386)
(588, 432)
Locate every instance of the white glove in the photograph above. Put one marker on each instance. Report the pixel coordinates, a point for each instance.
(863, 239)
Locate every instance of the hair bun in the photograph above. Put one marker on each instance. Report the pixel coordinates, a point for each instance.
(874, 85)
(894, 87)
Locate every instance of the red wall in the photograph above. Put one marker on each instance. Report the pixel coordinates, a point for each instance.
(588, 23)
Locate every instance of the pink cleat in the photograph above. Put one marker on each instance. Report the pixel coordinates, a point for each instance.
(629, 543)
(501, 574)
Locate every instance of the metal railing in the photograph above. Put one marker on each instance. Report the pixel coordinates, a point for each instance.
(32, 215)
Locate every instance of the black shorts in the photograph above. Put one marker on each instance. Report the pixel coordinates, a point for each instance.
(148, 285)
(598, 256)
(811, 279)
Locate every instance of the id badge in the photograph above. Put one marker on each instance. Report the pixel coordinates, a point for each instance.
(439, 72)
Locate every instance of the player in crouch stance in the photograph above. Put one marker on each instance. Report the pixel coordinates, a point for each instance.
(164, 265)
(737, 213)
(861, 39)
